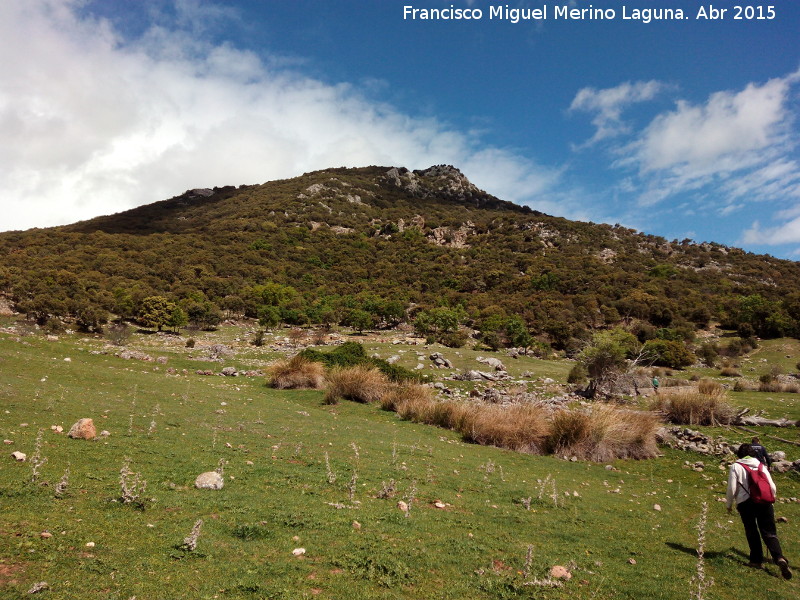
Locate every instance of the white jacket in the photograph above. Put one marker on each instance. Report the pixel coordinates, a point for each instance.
(738, 488)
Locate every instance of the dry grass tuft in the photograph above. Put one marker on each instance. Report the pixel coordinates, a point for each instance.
(691, 407)
(297, 373)
(519, 427)
(400, 394)
(603, 433)
(710, 388)
(359, 383)
(730, 372)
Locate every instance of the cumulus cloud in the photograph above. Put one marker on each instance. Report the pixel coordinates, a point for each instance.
(608, 104)
(736, 148)
(94, 123)
(727, 133)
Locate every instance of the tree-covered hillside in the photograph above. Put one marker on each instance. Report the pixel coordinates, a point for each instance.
(376, 246)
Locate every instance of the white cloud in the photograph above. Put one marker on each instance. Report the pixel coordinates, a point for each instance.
(788, 233)
(93, 123)
(724, 134)
(609, 103)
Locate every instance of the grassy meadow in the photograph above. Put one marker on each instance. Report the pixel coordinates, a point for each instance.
(339, 501)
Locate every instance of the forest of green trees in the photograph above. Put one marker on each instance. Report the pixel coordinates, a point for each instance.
(338, 247)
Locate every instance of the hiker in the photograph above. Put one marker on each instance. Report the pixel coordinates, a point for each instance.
(754, 503)
(760, 452)
(655, 384)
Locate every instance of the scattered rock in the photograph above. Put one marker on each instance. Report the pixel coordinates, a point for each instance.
(356, 525)
(90, 544)
(39, 587)
(19, 456)
(229, 372)
(402, 506)
(632, 561)
(211, 480)
(657, 507)
(559, 572)
(162, 360)
(8, 442)
(440, 362)
(83, 430)
(299, 551)
(782, 520)
(492, 362)
(135, 355)
(45, 535)
(57, 428)
(440, 504)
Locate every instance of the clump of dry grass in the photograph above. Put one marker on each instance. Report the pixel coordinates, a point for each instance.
(297, 373)
(730, 372)
(710, 388)
(603, 433)
(519, 427)
(776, 387)
(400, 394)
(692, 407)
(359, 383)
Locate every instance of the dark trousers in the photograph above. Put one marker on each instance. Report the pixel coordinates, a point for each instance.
(760, 518)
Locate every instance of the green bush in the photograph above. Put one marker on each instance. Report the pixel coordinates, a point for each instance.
(352, 354)
(668, 353)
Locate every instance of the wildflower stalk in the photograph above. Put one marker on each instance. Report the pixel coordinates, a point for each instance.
(699, 583)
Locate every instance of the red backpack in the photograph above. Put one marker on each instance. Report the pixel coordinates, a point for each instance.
(758, 485)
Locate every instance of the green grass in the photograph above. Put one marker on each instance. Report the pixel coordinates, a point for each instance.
(474, 548)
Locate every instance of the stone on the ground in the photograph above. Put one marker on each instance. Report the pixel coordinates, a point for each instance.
(83, 430)
(210, 480)
(559, 572)
(19, 456)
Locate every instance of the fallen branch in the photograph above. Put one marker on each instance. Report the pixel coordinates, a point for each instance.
(772, 437)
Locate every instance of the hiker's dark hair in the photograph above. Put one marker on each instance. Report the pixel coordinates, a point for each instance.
(744, 450)
(755, 440)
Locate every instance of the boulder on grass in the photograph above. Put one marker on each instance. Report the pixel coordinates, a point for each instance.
(210, 480)
(83, 430)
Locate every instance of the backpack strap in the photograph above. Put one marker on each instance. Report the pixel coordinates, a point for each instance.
(747, 475)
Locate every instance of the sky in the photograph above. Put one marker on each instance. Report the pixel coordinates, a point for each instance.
(680, 127)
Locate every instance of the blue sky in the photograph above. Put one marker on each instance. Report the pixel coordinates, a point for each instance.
(681, 128)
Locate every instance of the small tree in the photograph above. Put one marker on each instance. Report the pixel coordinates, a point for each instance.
(177, 319)
(606, 359)
(156, 311)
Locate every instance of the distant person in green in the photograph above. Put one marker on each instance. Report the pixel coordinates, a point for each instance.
(655, 384)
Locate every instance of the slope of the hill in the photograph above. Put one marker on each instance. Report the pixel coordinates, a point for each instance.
(384, 241)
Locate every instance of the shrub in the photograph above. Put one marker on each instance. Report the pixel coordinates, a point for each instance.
(297, 373)
(669, 353)
(359, 383)
(577, 374)
(691, 407)
(709, 387)
(730, 372)
(603, 433)
(119, 333)
(405, 393)
(351, 354)
(518, 427)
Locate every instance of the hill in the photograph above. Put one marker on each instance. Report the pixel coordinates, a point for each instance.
(373, 247)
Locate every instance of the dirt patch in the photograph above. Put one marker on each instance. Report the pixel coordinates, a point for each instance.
(8, 574)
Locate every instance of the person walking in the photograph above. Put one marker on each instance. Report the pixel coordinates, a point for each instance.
(760, 452)
(758, 518)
